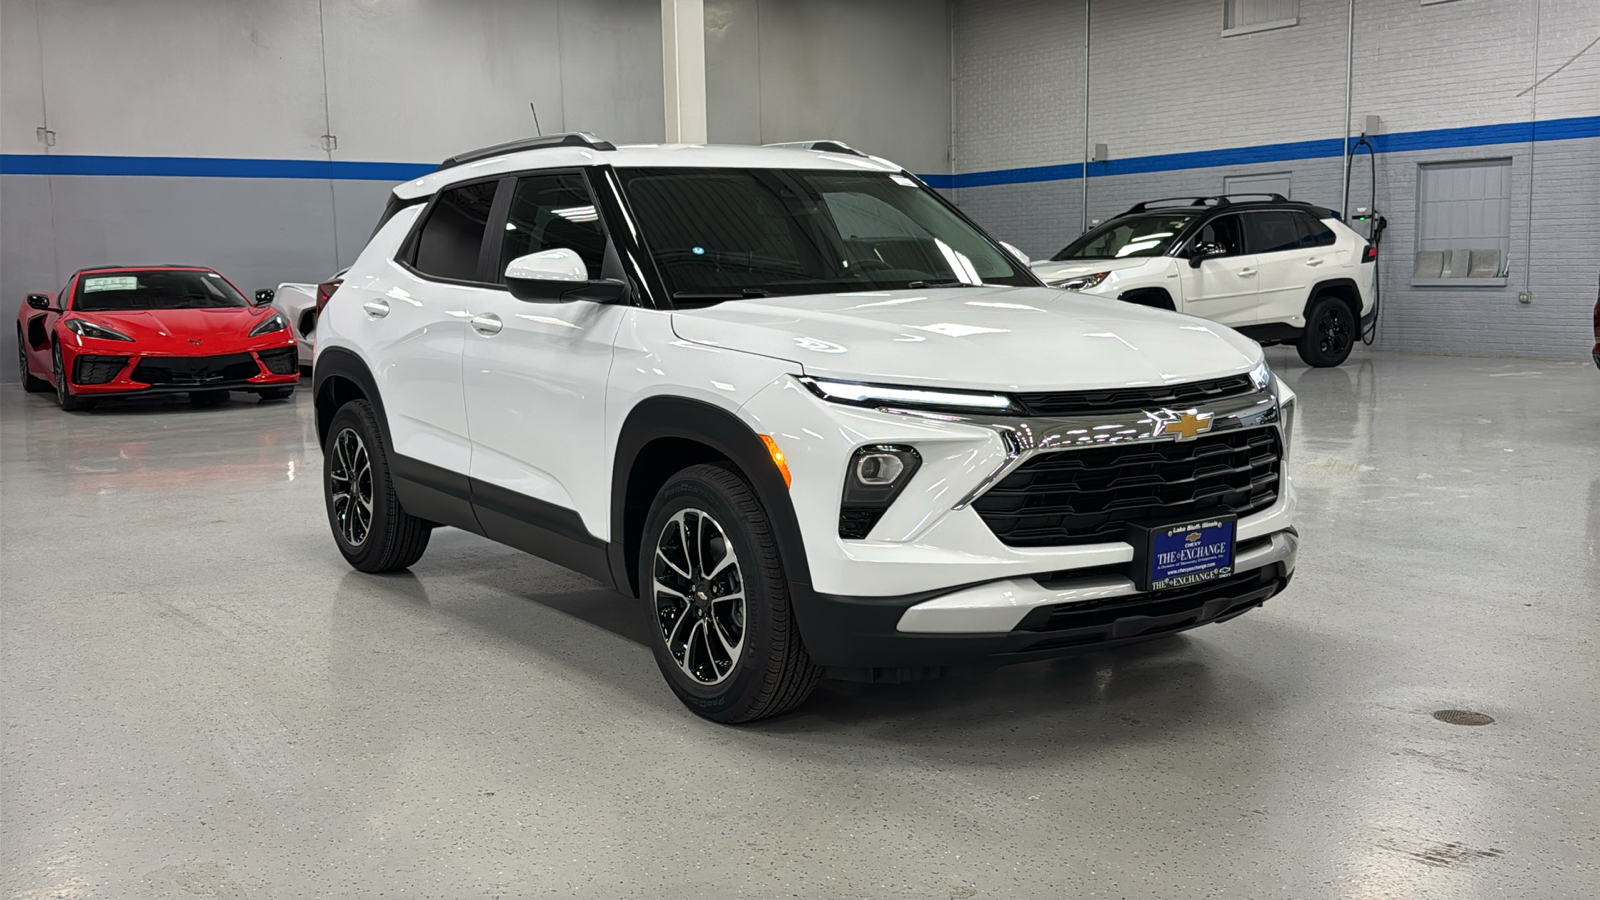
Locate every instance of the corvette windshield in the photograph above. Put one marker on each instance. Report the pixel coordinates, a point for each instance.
(723, 234)
(1132, 236)
(144, 289)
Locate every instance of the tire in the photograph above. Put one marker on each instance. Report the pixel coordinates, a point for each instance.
(1330, 333)
(207, 399)
(64, 396)
(356, 462)
(29, 383)
(280, 393)
(769, 671)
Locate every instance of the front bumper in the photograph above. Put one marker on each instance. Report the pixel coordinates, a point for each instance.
(232, 377)
(1026, 619)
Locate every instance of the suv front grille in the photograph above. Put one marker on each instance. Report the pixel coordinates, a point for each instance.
(1076, 403)
(1088, 496)
(196, 370)
(280, 360)
(97, 369)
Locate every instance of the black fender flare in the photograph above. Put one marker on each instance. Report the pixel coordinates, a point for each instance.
(1319, 287)
(336, 363)
(722, 431)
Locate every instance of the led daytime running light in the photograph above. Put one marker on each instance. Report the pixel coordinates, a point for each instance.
(874, 394)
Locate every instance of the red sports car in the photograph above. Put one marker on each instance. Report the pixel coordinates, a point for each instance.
(124, 330)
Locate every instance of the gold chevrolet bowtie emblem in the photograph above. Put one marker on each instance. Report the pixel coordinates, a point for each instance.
(1185, 425)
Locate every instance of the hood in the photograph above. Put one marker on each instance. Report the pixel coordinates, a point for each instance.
(176, 330)
(1050, 270)
(987, 338)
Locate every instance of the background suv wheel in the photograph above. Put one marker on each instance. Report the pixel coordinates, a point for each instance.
(1330, 333)
(717, 600)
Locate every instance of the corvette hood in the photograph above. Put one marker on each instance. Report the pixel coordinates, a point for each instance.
(1052, 271)
(189, 331)
(994, 338)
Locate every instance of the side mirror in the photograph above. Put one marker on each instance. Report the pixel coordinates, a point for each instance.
(264, 296)
(1021, 257)
(39, 301)
(1204, 251)
(559, 276)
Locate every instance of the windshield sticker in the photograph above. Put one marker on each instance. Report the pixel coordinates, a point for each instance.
(117, 283)
(902, 180)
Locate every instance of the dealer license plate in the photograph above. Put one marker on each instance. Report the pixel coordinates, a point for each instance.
(1191, 553)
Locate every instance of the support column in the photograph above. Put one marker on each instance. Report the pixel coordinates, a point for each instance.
(683, 56)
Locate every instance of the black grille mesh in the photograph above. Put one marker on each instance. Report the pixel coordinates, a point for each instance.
(281, 360)
(1088, 496)
(1072, 403)
(97, 369)
(196, 370)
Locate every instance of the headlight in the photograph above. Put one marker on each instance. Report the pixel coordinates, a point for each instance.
(876, 476)
(1083, 282)
(84, 328)
(880, 395)
(274, 322)
(1261, 376)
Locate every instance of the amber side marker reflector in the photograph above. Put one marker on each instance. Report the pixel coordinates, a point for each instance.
(777, 459)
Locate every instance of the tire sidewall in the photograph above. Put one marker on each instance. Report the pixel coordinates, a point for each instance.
(1310, 348)
(357, 416)
(726, 698)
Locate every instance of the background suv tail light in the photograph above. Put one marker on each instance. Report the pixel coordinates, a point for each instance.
(325, 291)
(1369, 254)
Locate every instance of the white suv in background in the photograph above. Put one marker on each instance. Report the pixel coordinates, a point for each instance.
(1278, 271)
(818, 422)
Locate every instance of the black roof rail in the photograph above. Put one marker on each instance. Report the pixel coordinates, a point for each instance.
(1219, 200)
(823, 146)
(569, 139)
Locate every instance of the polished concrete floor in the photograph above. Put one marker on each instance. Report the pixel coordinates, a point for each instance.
(201, 701)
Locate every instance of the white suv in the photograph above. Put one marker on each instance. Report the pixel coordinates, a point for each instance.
(793, 400)
(1278, 271)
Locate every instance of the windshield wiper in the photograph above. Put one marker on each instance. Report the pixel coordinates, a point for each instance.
(719, 296)
(919, 285)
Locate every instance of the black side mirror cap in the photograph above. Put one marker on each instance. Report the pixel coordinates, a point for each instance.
(1202, 252)
(264, 296)
(39, 301)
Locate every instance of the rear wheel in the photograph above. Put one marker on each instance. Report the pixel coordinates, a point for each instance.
(371, 528)
(207, 399)
(29, 383)
(717, 600)
(64, 396)
(1329, 335)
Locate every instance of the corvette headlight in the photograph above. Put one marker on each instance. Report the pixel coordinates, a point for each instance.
(1083, 282)
(84, 328)
(881, 395)
(1261, 376)
(274, 322)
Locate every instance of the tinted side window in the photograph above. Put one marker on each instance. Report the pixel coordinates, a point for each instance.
(1223, 231)
(1313, 232)
(553, 212)
(1271, 232)
(449, 242)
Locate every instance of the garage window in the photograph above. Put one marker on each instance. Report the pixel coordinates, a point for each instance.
(1463, 223)
(1248, 16)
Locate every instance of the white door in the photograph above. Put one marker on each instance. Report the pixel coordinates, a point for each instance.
(1223, 286)
(412, 319)
(535, 374)
(1285, 268)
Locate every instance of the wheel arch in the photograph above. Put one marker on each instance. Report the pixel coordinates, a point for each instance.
(339, 377)
(1155, 297)
(663, 436)
(1343, 288)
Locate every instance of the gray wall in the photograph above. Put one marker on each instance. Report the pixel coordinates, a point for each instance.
(1163, 80)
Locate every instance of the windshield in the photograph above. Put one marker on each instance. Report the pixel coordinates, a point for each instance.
(120, 291)
(1132, 236)
(722, 234)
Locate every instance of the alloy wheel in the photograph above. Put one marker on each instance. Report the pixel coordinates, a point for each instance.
(350, 483)
(63, 395)
(698, 591)
(22, 359)
(1333, 333)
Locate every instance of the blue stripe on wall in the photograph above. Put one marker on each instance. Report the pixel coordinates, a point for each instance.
(1474, 136)
(210, 167)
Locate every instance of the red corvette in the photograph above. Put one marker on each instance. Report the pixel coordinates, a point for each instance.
(124, 330)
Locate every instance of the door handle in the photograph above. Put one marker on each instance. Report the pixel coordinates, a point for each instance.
(488, 323)
(377, 309)
(1247, 272)
(1314, 261)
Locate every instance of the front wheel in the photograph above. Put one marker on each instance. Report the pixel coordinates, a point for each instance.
(370, 527)
(1330, 333)
(64, 397)
(714, 590)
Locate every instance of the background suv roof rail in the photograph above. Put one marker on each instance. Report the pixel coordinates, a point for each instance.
(824, 146)
(569, 139)
(1217, 201)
